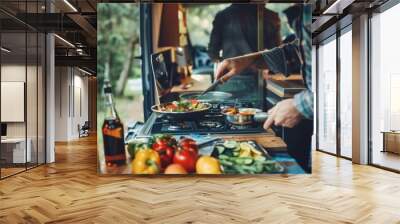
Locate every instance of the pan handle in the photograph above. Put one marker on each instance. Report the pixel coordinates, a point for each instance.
(260, 117)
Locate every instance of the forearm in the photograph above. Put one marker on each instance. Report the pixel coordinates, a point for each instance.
(284, 59)
(255, 59)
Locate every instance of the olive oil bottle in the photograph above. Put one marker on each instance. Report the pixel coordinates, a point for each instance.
(113, 132)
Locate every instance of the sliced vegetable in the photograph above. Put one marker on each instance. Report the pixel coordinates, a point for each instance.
(244, 158)
(220, 149)
(230, 144)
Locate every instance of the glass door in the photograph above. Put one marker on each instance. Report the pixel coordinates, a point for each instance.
(22, 77)
(14, 153)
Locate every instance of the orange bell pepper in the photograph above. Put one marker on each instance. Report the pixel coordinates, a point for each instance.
(147, 161)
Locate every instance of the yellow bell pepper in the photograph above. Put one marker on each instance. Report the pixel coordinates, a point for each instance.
(147, 161)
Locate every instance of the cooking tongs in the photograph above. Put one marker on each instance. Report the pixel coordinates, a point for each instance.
(212, 87)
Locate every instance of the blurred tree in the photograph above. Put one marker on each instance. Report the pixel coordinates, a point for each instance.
(117, 43)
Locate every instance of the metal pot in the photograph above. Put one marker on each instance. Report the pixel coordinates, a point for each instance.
(245, 116)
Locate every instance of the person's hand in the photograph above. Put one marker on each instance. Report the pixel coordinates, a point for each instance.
(283, 114)
(232, 66)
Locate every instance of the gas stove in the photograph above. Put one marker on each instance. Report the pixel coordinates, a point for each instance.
(213, 122)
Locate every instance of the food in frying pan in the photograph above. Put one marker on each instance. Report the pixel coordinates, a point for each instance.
(183, 106)
(248, 111)
(230, 111)
(241, 111)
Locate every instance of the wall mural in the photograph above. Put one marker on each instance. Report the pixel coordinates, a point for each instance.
(231, 83)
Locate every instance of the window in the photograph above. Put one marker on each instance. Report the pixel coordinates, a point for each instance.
(327, 96)
(385, 87)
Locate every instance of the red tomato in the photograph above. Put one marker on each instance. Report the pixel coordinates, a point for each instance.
(165, 152)
(189, 145)
(171, 106)
(187, 141)
(186, 158)
(163, 140)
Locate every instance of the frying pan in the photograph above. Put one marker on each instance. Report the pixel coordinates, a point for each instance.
(181, 115)
(212, 96)
(246, 119)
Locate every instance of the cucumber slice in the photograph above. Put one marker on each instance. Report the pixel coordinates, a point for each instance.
(230, 144)
(260, 158)
(247, 161)
(223, 157)
(244, 160)
(226, 163)
(259, 167)
(240, 170)
(220, 149)
(249, 169)
(237, 148)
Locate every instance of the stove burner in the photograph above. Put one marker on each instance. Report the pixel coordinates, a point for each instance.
(240, 127)
(210, 124)
(213, 115)
(177, 126)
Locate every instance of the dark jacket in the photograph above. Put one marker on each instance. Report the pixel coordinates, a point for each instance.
(235, 31)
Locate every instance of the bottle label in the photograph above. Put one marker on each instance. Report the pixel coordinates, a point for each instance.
(114, 147)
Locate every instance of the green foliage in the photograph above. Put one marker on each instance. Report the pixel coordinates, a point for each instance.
(118, 25)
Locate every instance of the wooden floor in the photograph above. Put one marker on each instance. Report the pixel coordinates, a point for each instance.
(70, 191)
(5, 172)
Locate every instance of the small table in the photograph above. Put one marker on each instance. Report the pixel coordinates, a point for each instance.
(391, 141)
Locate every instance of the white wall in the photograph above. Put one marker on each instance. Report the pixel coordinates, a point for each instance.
(71, 102)
(61, 103)
(16, 73)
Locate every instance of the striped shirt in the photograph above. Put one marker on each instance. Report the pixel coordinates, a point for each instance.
(294, 57)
